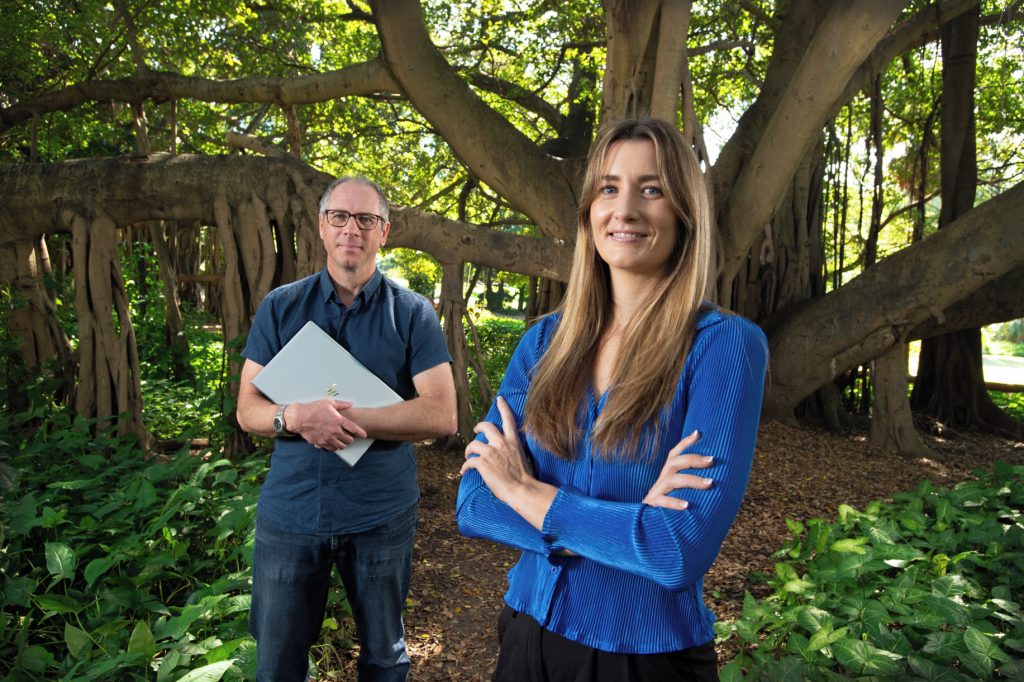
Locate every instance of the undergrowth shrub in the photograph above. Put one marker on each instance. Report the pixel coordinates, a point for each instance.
(499, 337)
(119, 566)
(928, 587)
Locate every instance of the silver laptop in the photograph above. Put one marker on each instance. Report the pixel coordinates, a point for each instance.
(312, 365)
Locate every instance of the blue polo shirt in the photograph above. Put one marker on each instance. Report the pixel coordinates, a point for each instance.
(394, 332)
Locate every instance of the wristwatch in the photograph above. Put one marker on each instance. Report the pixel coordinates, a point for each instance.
(279, 426)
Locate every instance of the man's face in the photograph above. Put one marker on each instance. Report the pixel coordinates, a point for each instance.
(352, 251)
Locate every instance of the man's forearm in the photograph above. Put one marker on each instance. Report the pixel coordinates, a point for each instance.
(411, 420)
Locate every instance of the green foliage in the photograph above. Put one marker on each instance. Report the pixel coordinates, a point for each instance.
(498, 339)
(1011, 403)
(926, 587)
(116, 564)
(176, 403)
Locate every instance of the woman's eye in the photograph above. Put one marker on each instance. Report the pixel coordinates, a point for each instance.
(607, 189)
(652, 191)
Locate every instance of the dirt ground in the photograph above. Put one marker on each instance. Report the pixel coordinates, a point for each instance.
(798, 473)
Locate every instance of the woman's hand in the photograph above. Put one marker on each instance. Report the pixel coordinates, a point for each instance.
(501, 460)
(670, 479)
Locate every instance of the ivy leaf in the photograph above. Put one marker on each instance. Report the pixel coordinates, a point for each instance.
(814, 619)
(208, 673)
(731, 673)
(97, 567)
(57, 603)
(60, 560)
(949, 586)
(933, 672)
(850, 545)
(861, 658)
(77, 640)
(982, 646)
(142, 641)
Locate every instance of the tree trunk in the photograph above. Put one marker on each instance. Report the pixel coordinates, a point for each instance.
(174, 327)
(892, 422)
(950, 385)
(452, 310)
(22, 265)
(108, 372)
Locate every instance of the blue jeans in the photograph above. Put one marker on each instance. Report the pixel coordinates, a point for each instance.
(291, 574)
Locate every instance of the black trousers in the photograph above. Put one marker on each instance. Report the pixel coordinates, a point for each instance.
(529, 653)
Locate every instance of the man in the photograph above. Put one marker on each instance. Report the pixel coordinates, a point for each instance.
(314, 510)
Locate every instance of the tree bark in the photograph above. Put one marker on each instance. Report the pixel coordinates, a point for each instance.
(451, 312)
(533, 182)
(783, 134)
(35, 322)
(856, 323)
(950, 384)
(892, 423)
(108, 372)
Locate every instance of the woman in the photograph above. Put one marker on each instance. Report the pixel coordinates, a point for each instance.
(611, 392)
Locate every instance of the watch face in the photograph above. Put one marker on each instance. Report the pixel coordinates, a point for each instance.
(278, 424)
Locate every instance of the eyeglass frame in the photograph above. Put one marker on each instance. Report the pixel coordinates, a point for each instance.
(377, 219)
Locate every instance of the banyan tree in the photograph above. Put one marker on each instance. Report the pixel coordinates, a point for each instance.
(477, 116)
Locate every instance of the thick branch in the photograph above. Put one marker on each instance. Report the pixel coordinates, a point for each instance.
(534, 256)
(487, 143)
(862, 319)
(1000, 300)
(368, 78)
(186, 187)
(840, 44)
(921, 29)
(514, 92)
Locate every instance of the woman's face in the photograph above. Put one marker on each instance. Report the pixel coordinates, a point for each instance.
(632, 221)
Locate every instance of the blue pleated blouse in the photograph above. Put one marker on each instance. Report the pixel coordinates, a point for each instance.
(636, 586)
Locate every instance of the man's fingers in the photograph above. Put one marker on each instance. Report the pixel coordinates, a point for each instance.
(352, 429)
(341, 404)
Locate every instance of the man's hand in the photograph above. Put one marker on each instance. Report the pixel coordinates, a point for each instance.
(670, 479)
(323, 423)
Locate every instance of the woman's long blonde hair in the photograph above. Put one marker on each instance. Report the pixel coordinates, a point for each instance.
(657, 339)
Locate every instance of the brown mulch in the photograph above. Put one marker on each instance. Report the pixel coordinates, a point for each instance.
(799, 473)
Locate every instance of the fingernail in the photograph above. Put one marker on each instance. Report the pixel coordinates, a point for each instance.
(708, 481)
(684, 504)
(708, 459)
(695, 433)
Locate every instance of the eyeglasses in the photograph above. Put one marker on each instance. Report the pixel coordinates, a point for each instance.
(364, 221)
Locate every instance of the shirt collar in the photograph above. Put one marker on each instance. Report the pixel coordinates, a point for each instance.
(368, 290)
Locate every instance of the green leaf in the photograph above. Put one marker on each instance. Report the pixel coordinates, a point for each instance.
(142, 641)
(57, 603)
(60, 560)
(813, 619)
(77, 640)
(949, 586)
(861, 658)
(208, 673)
(824, 638)
(982, 646)
(798, 586)
(35, 658)
(850, 545)
(933, 672)
(18, 591)
(97, 567)
(733, 672)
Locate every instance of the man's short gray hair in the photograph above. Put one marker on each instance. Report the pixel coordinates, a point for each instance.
(383, 200)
